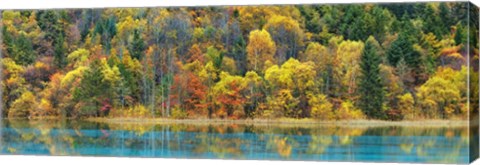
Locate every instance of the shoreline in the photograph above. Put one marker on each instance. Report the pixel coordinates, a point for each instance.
(284, 122)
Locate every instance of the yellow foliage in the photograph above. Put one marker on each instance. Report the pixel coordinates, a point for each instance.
(136, 111)
(44, 108)
(318, 54)
(260, 49)
(441, 94)
(23, 106)
(292, 74)
(349, 111)
(111, 75)
(321, 107)
(72, 76)
(11, 67)
(282, 104)
(78, 58)
(348, 55)
(178, 113)
(406, 106)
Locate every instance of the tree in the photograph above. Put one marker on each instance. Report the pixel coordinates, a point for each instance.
(371, 88)
(13, 83)
(399, 49)
(60, 52)
(403, 49)
(107, 30)
(321, 108)
(138, 45)
(78, 58)
(288, 37)
(239, 53)
(90, 93)
(406, 104)
(253, 93)
(22, 106)
(348, 56)
(443, 93)
(318, 54)
(22, 51)
(312, 18)
(196, 94)
(260, 49)
(228, 96)
(295, 79)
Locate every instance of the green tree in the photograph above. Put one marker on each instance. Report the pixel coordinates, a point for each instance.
(137, 46)
(22, 51)
(60, 59)
(88, 95)
(371, 88)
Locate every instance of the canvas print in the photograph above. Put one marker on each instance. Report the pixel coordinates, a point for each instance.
(373, 82)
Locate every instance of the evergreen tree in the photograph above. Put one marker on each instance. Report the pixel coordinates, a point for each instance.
(240, 54)
(48, 22)
(22, 51)
(60, 52)
(107, 30)
(7, 40)
(371, 89)
(90, 91)
(402, 48)
(138, 45)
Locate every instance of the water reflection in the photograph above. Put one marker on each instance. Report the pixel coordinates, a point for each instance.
(380, 144)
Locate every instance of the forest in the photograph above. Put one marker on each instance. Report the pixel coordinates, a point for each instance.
(326, 62)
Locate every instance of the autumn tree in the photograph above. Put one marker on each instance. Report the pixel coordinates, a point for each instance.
(260, 49)
(22, 107)
(228, 96)
(288, 37)
(348, 55)
(443, 93)
(321, 108)
(296, 80)
(13, 83)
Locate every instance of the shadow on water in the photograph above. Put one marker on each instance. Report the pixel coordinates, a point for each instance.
(233, 141)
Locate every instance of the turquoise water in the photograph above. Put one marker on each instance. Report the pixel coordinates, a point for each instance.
(311, 143)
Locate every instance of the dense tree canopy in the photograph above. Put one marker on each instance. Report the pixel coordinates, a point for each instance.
(375, 61)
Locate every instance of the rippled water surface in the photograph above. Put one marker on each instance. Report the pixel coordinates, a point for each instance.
(230, 141)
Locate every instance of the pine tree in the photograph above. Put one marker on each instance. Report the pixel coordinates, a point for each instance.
(22, 51)
(240, 54)
(371, 89)
(399, 49)
(90, 92)
(7, 40)
(138, 45)
(60, 52)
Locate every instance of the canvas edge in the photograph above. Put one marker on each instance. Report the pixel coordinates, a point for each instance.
(473, 84)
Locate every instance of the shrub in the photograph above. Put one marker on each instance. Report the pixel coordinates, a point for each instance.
(178, 113)
(133, 111)
(44, 108)
(349, 111)
(406, 106)
(321, 107)
(22, 107)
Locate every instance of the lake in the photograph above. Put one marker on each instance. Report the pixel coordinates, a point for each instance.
(236, 141)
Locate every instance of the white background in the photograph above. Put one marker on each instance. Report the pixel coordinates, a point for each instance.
(50, 160)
